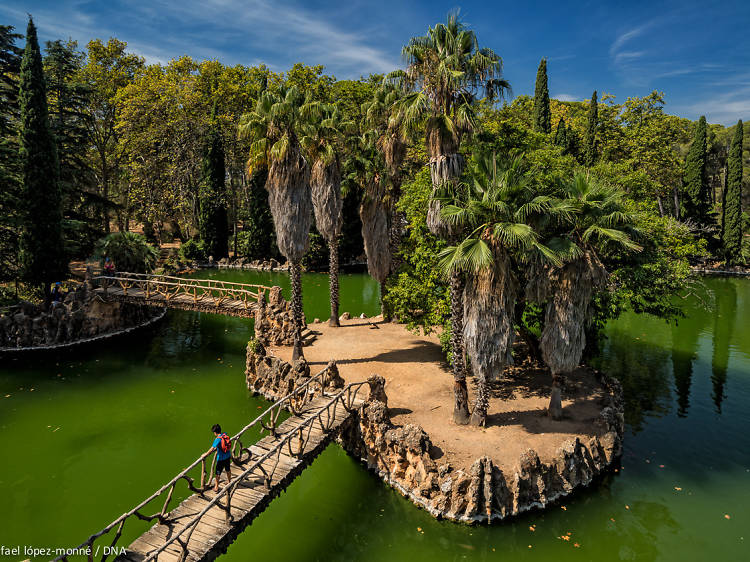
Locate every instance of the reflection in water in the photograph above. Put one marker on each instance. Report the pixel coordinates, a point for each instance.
(641, 367)
(685, 337)
(726, 308)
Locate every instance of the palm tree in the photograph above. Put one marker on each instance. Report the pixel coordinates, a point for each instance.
(597, 225)
(325, 179)
(384, 118)
(366, 171)
(498, 209)
(277, 130)
(446, 70)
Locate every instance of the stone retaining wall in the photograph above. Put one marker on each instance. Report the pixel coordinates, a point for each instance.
(274, 320)
(401, 455)
(81, 316)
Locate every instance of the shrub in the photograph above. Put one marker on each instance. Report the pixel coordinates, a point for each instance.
(194, 250)
(130, 252)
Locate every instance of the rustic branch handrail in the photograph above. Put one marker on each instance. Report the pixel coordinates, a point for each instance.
(150, 276)
(128, 282)
(345, 396)
(237, 451)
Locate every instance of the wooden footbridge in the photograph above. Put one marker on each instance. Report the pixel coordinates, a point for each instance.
(205, 523)
(202, 295)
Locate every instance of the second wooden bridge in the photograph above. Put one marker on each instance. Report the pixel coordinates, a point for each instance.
(202, 295)
(205, 523)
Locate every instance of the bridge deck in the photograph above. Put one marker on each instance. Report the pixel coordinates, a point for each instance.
(214, 533)
(182, 301)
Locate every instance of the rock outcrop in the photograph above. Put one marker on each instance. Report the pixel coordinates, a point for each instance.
(274, 320)
(273, 378)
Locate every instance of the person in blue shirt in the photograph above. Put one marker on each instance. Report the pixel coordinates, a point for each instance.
(223, 458)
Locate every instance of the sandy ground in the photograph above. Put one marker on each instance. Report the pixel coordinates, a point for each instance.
(419, 386)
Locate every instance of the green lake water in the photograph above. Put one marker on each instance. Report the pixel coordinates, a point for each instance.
(88, 434)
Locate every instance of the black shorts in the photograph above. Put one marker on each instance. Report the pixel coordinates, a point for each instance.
(223, 465)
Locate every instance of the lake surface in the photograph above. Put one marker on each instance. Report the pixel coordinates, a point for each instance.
(87, 435)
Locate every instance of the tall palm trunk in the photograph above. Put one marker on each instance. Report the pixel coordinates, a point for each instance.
(295, 273)
(563, 336)
(460, 391)
(489, 300)
(333, 280)
(448, 167)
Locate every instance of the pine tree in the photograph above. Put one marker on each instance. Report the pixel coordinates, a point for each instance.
(593, 121)
(696, 202)
(733, 211)
(542, 115)
(10, 65)
(212, 221)
(41, 250)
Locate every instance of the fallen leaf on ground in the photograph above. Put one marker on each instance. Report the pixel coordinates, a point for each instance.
(563, 508)
(419, 528)
(532, 528)
(627, 507)
(727, 516)
(576, 545)
(611, 519)
(678, 488)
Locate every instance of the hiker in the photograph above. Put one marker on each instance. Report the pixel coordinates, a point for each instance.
(223, 446)
(57, 294)
(109, 267)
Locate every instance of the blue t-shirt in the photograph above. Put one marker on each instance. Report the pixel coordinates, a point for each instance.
(221, 455)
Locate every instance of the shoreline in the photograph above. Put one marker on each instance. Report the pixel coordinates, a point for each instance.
(480, 490)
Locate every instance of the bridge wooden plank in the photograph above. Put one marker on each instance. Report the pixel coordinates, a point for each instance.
(249, 498)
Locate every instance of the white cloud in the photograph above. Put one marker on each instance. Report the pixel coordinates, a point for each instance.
(725, 108)
(234, 31)
(565, 97)
(623, 38)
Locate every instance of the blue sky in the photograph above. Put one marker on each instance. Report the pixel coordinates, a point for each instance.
(697, 53)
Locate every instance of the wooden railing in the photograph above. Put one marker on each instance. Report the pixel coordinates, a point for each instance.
(292, 441)
(210, 291)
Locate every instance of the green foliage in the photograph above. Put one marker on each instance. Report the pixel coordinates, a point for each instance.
(257, 240)
(419, 295)
(316, 257)
(590, 152)
(212, 221)
(41, 250)
(10, 166)
(194, 250)
(732, 233)
(542, 115)
(696, 204)
(646, 282)
(129, 251)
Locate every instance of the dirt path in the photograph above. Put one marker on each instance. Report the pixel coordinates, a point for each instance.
(420, 391)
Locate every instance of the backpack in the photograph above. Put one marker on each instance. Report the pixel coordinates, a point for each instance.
(226, 443)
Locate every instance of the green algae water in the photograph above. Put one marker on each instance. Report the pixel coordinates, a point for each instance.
(88, 434)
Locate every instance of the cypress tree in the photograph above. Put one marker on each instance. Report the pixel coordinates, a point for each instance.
(733, 197)
(593, 121)
(542, 115)
(696, 204)
(212, 220)
(10, 65)
(561, 135)
(41, 251)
